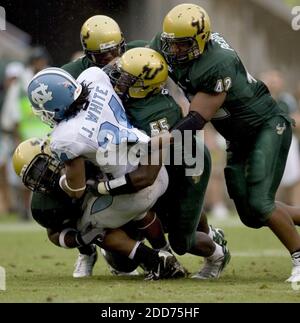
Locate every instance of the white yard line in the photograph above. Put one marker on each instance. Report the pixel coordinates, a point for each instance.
(230, 222)
(261, 254)
(20, 227)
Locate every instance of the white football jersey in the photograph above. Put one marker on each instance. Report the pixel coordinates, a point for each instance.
(102, 132)
(95, 133)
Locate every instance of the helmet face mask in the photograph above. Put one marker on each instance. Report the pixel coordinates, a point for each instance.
(38, 168)
(42, 174)
(47, 117)
(122, 82)
(179, 50)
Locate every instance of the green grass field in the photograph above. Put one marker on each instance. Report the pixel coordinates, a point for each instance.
(37, 271)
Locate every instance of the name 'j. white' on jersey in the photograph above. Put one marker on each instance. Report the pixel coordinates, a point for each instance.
(99, 129)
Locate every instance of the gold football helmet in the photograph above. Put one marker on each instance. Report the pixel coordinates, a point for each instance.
(34, 163)
(102, 39)
(139, 72)
(186, 30)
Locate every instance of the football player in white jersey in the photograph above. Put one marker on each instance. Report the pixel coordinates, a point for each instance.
(90, 122)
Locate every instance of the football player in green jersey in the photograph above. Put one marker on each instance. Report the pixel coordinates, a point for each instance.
(139, 77)
(50, 206)
(96, 33)
(102, 41)
(242, 110)
(53, 209)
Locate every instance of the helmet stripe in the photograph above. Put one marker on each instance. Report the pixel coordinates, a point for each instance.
(56, 71)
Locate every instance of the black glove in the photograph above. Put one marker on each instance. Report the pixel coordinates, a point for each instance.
(90, 235)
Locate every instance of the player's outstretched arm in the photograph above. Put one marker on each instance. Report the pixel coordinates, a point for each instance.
(73, 182)
(70, 238)
(202, 108)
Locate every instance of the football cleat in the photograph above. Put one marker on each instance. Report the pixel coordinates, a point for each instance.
(295, 276)
(84, 265)
(168, 267)
(218, 236)
(213, 269)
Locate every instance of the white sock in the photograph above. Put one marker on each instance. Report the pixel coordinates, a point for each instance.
(210, 232)
(296, 258)
(218, 253)
(133, 251)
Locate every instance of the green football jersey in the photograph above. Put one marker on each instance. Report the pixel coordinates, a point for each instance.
(136, 43)
(219, 69)
(153, 114)
(76, 67)
(180, 207)
(54, 210)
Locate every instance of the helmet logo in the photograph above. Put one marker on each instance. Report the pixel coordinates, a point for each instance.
(200, 29)
(147, 72)
(35, 143)
(84, 38)
(87, 36)
(40, 96)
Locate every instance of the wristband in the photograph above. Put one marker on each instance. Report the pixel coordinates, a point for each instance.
(102, 188)
(121, 185)
(63, 182)
(62, 236)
